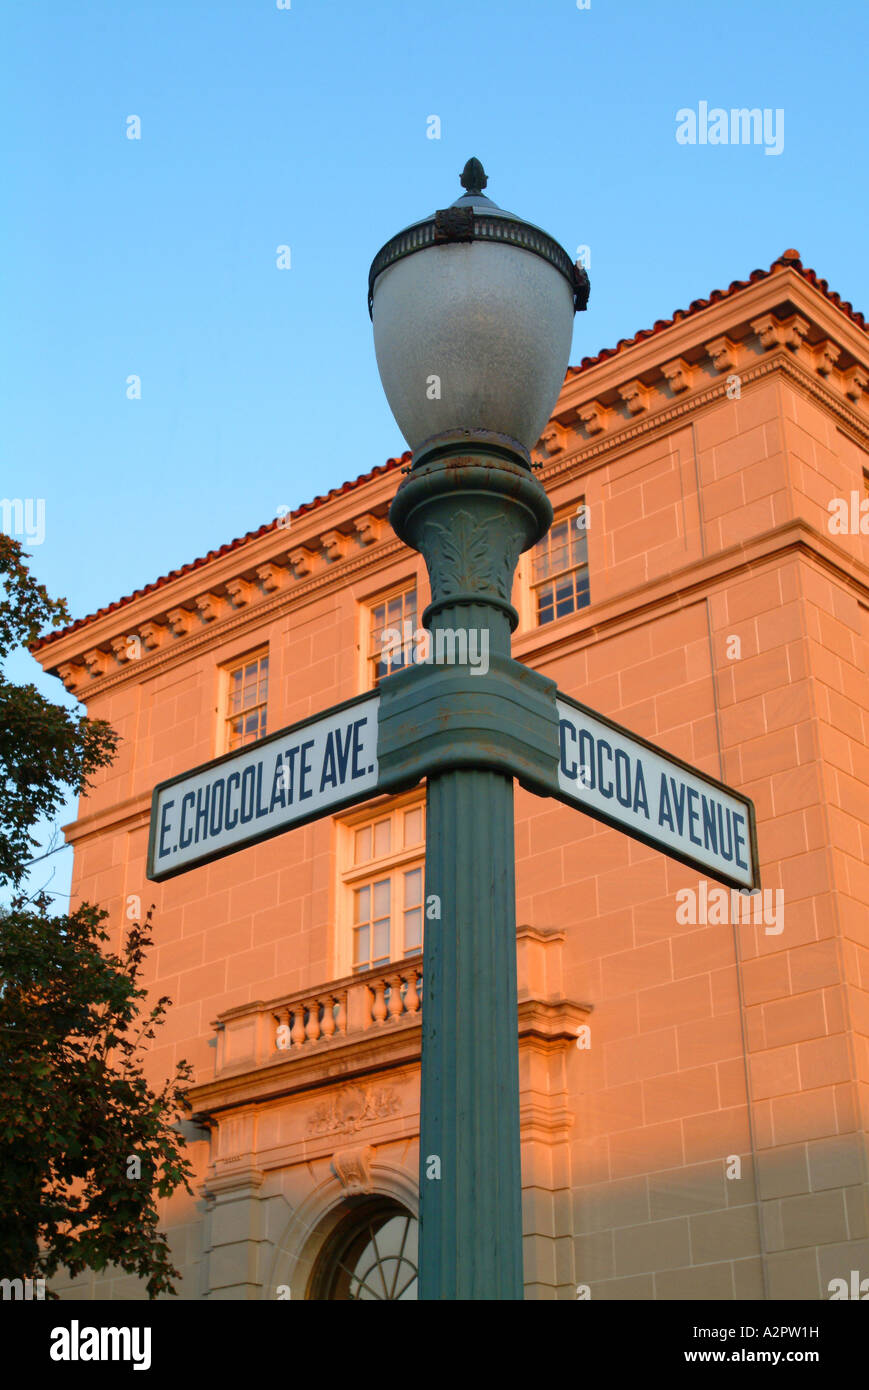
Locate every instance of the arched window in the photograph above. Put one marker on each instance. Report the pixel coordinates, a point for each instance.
(372, 1254)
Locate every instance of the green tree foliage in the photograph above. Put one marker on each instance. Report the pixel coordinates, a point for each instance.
(87, 1147)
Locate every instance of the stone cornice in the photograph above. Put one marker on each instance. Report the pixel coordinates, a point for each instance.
(246, 1179)
(175, 631)
(623, 433)
(700, 336)
(201, 630)
(548, 1024)
(208, 593)
(135, 811)
(323, 1064)
(780, 324)
(547, 1122)
(267, 1050)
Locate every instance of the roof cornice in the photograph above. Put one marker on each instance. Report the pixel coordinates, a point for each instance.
(783, 319)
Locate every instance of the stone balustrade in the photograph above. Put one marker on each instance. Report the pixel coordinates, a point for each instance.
(365, 1022)
(336, 1012)
(373, 999)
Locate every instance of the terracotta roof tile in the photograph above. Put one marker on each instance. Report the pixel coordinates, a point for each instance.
(302, 510)
(788, 260)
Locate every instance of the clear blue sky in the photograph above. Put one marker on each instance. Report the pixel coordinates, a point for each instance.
(307, 127)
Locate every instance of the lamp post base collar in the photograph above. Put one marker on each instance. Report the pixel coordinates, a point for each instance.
(468, 441)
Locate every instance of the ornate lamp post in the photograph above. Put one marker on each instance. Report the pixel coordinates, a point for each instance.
(472, 311)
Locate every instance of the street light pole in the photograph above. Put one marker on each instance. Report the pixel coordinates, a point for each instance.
(470, 511)
(473, 312)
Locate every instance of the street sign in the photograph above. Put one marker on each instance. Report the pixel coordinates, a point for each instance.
(308, 770)
(628, 783)
(325, 764)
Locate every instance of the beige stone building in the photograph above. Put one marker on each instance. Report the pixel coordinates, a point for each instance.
(694, 1091)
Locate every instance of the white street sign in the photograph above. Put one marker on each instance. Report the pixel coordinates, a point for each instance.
(284, 780)
(621, 779)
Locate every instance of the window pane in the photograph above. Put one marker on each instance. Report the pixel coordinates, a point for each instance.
(363, 904)
(247, 692)
(562, 557)
(558, 559)
(391, 614)
(381, 898)
(413, 826)
(381, 939)
(376, 639)
(580, 545)
(413, 888)
(361, 953)
(362, 845)
(382, 838)
(412, 930)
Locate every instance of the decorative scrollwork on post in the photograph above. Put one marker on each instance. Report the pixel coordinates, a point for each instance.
(471, 556)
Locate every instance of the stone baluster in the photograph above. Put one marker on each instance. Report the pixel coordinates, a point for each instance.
(411, 998)
(328, 1027)
(378, 1012)
(282, 1032)
(313, 1020)
(396, 1003)
(341, 1016)
(298, 1033)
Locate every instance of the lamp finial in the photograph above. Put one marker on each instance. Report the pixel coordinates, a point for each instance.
(473, 177)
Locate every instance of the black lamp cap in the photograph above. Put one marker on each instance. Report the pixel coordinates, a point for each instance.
(473, 177)
(474, 217)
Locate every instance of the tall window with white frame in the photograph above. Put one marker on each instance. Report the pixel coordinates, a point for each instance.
(383, 879)
(246, 700)
(559, 568)
(392, 621)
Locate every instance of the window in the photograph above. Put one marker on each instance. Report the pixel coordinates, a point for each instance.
(559, 568)
(247, 691)
(372, 1255)
(384, 884)
(391, 628)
